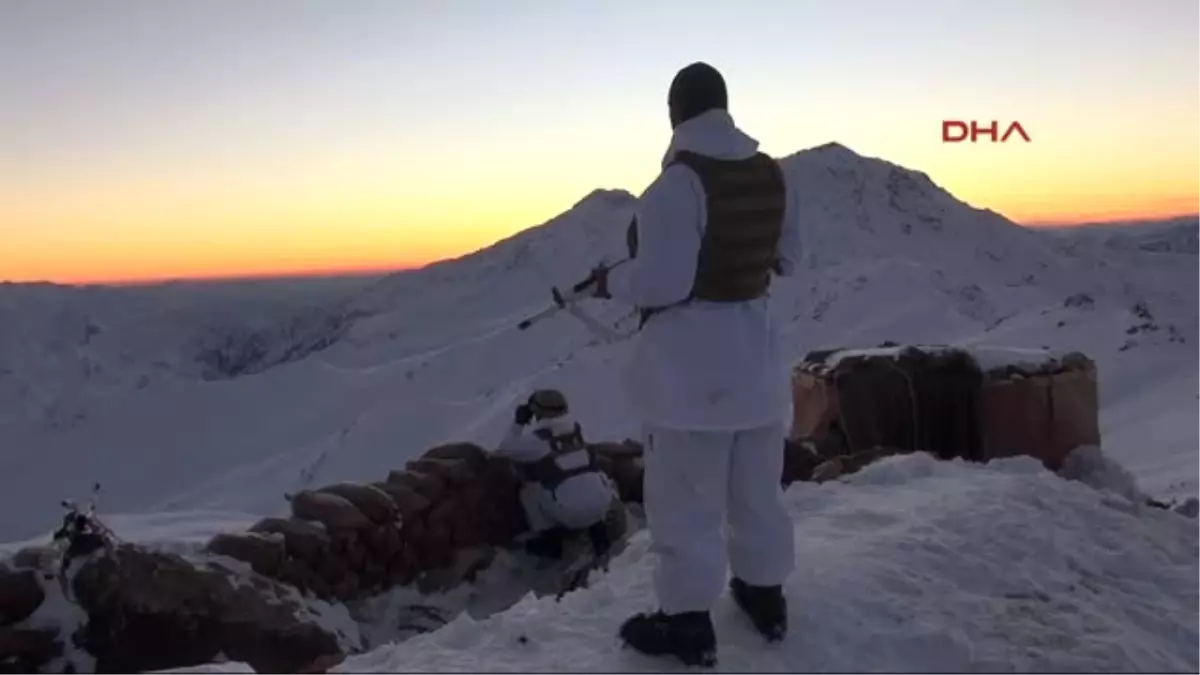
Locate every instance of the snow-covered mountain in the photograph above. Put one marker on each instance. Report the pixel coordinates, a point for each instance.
(62, 345)
(1172, 235)
(198, 406)
(185, 398)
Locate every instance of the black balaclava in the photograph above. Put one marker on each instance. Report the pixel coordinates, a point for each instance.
(696, 89)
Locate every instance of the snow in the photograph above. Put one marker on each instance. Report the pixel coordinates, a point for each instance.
(331, 380)
(988, 358)
(911, 565)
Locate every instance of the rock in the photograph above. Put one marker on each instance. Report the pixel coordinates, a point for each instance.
(334, 512)
(1190, 507)
(301, 538)
(155, 611)
(263, 552)
(409, 502)
(274, 641)
(28, 650)
(374, 503)
(20, 595)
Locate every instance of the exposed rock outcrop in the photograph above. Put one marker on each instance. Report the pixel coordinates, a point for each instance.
(149, 611)
(28, 650)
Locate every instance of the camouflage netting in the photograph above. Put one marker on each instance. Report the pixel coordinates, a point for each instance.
(946, 401)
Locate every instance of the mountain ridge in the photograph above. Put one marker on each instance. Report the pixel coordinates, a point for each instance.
(433, 355)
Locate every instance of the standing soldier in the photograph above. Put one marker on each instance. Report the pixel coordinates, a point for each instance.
(708, 374)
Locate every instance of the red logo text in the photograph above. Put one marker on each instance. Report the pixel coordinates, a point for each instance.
(957, 131)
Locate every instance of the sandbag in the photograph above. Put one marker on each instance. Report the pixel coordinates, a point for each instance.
(452, 471)
(301, 538)
(428, 485)
(469, 452)
(263, 552)
(409, 502)
(814, 407)
(332, 511)
(373, 502)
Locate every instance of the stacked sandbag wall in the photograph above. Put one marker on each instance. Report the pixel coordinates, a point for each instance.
(435, 523)
(1044, 410)
(942, 401)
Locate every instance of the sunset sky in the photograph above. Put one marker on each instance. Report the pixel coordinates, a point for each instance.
(194, 138)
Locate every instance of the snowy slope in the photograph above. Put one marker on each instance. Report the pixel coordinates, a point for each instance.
(62, 345)
(433, 355)
(913, 565)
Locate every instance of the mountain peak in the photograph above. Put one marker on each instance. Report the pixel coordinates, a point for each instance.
(607, 197)
(833, 148)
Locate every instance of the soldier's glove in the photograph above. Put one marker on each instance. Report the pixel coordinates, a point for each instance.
(599, 282)
(523, 414)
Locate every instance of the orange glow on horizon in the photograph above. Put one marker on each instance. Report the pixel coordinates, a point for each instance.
(181, 268)
(364, 218)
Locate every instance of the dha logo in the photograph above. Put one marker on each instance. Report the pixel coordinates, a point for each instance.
(956, 131)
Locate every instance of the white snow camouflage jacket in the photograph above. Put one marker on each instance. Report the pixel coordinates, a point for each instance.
(702, 366)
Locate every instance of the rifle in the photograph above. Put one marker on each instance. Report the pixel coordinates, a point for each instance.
(569, 302)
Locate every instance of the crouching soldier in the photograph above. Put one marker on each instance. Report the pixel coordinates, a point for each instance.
(564, 494)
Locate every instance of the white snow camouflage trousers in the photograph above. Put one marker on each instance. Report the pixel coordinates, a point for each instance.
(696, 482)
(579, 502)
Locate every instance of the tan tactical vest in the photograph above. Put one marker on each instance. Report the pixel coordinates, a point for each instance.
(547, 470)
(740, 247)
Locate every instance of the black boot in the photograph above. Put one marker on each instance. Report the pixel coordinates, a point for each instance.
(601, 542)
(688, 637)
(765, 605)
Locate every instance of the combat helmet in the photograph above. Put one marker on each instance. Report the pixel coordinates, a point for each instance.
(548, 403)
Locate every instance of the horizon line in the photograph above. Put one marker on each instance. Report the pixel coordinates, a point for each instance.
(385, 270)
